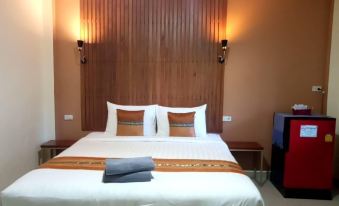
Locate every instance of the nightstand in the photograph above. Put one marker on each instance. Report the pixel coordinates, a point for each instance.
(51, 148)
(235, 146)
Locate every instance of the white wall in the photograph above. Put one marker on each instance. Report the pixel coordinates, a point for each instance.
(26, 84)
(333, 88)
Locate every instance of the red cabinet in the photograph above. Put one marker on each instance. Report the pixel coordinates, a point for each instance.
(302, 155)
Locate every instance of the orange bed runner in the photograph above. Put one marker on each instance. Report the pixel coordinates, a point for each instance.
(164, 165)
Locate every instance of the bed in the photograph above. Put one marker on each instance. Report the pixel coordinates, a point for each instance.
(72, 187)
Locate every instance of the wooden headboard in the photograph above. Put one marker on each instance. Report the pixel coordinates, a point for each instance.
(152, 52)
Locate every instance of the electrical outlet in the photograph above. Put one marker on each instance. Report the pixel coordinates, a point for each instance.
(68, 117)
(317, 88)
(227, 118)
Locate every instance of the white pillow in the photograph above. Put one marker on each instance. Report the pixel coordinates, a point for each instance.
(199, 119)
(149, 118)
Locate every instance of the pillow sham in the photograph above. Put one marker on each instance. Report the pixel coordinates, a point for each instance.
(181, 124)
(149, 117)
(199, 119)
(130, 123)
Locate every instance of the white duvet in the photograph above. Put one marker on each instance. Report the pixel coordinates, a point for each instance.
(56, 187)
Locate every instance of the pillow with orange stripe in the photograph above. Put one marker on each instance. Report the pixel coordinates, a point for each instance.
(181, 124)
(130, 123)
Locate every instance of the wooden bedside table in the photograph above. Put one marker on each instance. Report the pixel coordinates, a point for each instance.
(51, 148)
(235, 146)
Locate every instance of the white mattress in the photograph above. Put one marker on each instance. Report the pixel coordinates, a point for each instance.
(84, 187)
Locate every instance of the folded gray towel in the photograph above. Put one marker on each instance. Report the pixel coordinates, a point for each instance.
(128, 165)
(144, 176)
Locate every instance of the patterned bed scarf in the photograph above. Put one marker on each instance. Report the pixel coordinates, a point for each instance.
(163, 165)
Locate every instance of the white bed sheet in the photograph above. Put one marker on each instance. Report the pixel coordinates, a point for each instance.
(52, 187)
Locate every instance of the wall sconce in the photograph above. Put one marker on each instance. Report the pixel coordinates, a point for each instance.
(221, 58)
(83, 59)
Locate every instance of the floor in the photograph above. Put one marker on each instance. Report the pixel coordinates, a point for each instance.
(272, 197)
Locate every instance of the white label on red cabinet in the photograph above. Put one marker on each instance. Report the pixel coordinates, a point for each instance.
(309, 131)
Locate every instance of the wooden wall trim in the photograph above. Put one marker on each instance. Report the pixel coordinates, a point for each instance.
(152, 51)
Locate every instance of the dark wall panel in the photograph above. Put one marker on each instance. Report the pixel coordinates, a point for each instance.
(152, 52)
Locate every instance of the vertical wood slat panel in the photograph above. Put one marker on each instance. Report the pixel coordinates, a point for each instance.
(152, 51)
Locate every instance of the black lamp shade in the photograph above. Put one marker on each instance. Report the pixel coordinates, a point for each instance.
(80, 43)
(224, 43)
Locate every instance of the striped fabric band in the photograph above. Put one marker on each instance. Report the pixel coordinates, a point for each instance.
(182, 124)
(161, 165)
(130, 123)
